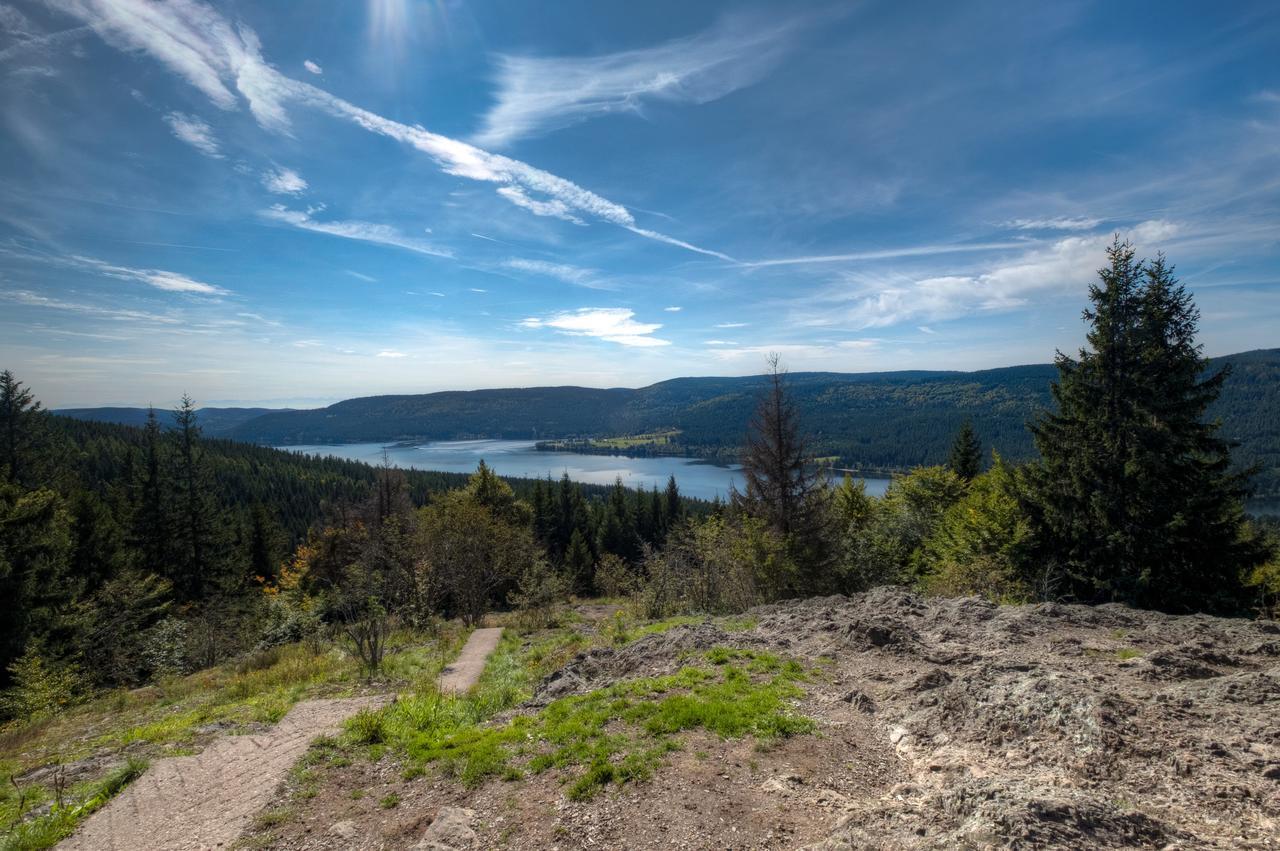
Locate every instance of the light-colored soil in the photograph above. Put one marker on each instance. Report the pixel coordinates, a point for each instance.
(462, 674)
(206, 801)
(941, 724)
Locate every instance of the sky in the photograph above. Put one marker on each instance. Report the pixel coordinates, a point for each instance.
(291, 203)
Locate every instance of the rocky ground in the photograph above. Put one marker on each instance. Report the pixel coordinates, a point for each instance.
(940, 724)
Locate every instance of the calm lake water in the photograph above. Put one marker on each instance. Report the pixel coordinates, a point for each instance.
(520, 458)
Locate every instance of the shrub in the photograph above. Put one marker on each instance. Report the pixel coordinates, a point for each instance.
(538, 595)
(41, 687)
(614, 578)
(982, 543)
(165, 648)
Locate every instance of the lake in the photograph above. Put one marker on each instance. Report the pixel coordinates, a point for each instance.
(519, 458)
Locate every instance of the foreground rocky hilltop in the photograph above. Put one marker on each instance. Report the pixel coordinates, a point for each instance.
(939, 724)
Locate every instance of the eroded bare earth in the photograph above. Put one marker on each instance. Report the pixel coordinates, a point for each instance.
(941, 724)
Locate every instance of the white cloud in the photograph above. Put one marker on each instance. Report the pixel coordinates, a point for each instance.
(362, 231)
(731, 325)
(1061, 267)
(576, 275)
(925, 329)
(1059, 223)
(30, 299)
(195, 132)
(720, 343)
(539, 94)
(613, 324)
(312, 67)
(194, 41)
(159, 278)
(391, 354)
(673, 309)
(553, 208)
(885, 254)
(361, 276)
(283, 181)
(478, 290)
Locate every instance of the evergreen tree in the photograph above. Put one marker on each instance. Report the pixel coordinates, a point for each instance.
(263, 544)
(672, 505)
(657, 517)
(578, 563)
(190, 570)
(150, 524)
(775, 464)
(18, 422)
(965, 459)
(1135, 495)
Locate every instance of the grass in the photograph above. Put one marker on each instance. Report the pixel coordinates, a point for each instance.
(611, 736)
(1128, 653)
(170, 716)
(79, 802)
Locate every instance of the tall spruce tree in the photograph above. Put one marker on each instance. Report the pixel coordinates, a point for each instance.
(1134, 496)
(191, 570)
(965, 459)
(775, 464)
(150, 532)
(19, 415)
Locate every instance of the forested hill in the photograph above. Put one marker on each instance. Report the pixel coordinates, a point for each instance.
(213, 421)
(877, 420)
(874, 420)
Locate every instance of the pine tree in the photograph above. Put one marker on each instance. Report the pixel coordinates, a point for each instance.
(18, 422)
(657, 516)
(150, 534)
(191, 571)
(578, 563)
(965, 459)
(1134, 495)
(672, 506)
(776, 463)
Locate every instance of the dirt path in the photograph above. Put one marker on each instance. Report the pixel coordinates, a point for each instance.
(206, 801)
(462, 674)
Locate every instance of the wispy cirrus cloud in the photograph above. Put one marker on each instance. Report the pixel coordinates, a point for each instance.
(362, 231)
(1007, 283)
(387, 353)
(283, 181)
(226, 64)
(1058, 223)
(30, 299)
(884, 254)
(612, 324)
(538, 94)
(313, 67)
(576, 275)
(196, 132)
(160, 279)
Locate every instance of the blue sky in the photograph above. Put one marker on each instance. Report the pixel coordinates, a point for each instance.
(297, 202)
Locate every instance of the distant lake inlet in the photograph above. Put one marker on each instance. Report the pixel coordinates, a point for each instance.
(520, 459)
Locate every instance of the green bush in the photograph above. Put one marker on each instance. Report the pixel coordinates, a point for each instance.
(41, 687)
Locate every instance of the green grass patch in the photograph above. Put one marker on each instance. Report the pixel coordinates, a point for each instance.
(78, 804)
(610, 736)
(1128, 653)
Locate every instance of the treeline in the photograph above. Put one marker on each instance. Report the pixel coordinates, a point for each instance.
(895, 420)
(127, 554)
(130, 552)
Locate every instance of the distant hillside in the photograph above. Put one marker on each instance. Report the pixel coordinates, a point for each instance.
(875, 420)
(215, 422)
